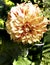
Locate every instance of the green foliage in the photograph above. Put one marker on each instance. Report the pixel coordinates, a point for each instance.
(47, 37)
(22, 61)
(46, 49)
(46, 8)
(24, 0)
(46, 12)
(46, 54)
(8, 2)
(1, 23)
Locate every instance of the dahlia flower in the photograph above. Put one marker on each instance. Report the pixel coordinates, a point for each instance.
(25, 24)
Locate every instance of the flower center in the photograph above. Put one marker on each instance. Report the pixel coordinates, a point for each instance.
(27, 28)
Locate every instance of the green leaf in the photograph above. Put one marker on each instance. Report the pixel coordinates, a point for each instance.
(21, 61)
(46, 49)
(8, 2)
(1, 23)
(46, 12)
(46, 55)
(47, 37)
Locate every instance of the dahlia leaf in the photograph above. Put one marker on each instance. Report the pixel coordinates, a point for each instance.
(47, 37)
(22, 61)
(46, 55)
(46, 50)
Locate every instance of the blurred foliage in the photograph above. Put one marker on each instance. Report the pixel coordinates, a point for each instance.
(22, 61)
(12, 53)
(1, 23)
(8, 2)
(46, 49)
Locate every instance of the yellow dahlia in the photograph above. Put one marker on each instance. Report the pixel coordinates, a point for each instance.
(24, 23)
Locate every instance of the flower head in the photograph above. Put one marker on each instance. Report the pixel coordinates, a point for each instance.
(24, 23)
